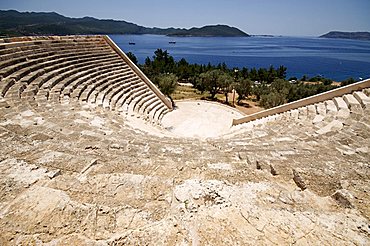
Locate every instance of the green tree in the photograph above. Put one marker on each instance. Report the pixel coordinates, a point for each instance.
(199, 83)
(347, 82)
(243, 88)
(253, 75)
(167, 83)
(183, 69)
(226, 81)
(211, 81)
(277, 95)
(244, 72)
(281, 72)
(304, 78)
(262, 75)
(132, 57)
(281, 86)
(271, 74)
(272, 99)
(163, 62)
(259, 90)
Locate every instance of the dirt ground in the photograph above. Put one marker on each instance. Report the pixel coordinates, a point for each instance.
(186, 92)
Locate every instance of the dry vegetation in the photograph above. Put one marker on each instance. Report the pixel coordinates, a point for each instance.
(183, 92)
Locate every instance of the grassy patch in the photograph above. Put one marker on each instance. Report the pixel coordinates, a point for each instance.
(187, 92)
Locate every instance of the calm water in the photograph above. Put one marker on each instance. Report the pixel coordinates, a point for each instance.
(332, 58)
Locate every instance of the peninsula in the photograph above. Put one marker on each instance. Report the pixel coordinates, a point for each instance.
(347, 35)
(14, 23)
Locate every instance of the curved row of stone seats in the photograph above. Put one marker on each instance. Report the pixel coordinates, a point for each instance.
(56, 76)
(83, 162)
(304, 103)
(47, 53)
(65, 89)
(62, 90)
(124, 77)
(86, 68)
(27, 74)
(267, 154)
(324, 117)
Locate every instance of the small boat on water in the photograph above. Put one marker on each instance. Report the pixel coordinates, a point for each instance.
(172, 42)
(131, 43)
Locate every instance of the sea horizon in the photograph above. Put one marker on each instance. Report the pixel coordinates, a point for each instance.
(337, 59)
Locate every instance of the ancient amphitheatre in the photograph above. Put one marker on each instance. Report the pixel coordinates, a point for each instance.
(85, 159)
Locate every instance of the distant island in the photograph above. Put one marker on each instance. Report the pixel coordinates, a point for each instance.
(211, 31)
(14, 23)
(347, 35)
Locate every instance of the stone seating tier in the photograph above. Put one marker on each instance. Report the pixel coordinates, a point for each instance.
(84, 68)
(74, 173)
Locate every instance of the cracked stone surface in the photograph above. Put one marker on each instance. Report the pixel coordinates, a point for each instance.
(89, 178)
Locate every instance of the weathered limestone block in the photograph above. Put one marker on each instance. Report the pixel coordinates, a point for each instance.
(363, 99)
(353, 104)
(340, 103)
(321, 109)
(302, 113)
(299, 180)
(331, 109)
(273, 170)
(318, 118)
(311, 111)
(342, 107)
(53, 173)
(343, 198)
(367, 92)
(294, 114)
(332, 126)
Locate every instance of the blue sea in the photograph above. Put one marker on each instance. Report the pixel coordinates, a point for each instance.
(337, 59)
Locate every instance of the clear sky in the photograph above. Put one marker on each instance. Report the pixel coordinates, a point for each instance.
(277, 17)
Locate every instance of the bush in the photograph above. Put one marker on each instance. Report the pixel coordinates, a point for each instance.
(167, 83)
(272, 99)
(347, 82)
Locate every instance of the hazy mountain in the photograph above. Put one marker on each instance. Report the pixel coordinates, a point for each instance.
(216, 30)
(347, 35)
(14, 23)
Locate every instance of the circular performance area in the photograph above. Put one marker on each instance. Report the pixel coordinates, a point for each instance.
(200, 119)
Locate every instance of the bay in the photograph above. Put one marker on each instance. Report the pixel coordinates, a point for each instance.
(337, 59)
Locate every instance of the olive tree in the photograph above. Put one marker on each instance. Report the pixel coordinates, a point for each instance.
(243, 88)
(212, 81)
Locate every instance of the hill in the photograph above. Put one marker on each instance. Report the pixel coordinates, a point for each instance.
(14, 23)
(347, 35)
(216, 30)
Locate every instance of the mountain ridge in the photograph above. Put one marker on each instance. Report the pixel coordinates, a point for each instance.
(14, 23)
(347, 35)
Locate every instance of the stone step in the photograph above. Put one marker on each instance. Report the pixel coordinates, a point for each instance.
(34, 70)
(137, 86)
(94, 89)
(363, 99)
(119, 95)
(46, 80)
(25, 44)
(340, 104)
(101, 70)
(82, 89)
(367, 92)
(146, 102)
(153, 112)
(331, 108)
(137, 95)
(353, 104)
(44, 61)
(104, 89)
(113, 91)
(137, 99)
